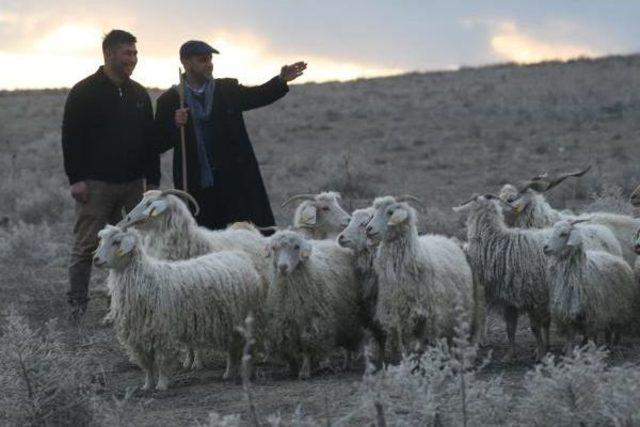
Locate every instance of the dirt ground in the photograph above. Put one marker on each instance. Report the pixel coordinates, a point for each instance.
(441, 136)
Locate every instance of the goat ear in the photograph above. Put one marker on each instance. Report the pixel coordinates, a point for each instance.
(308, 215)
(127, 244)
(305, 251)
(399, 216)
(157, 208)
(575, 238)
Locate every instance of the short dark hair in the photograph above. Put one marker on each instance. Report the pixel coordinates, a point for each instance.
(116, 37)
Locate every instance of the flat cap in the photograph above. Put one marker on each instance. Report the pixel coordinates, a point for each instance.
(195, 47)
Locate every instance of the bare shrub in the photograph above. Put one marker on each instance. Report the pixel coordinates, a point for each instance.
(440, 387)
(42, 383)
(620, 402)
(610, 199)
(27, 245)
(114, 412)
(350, 175)
(580, 391)
(43, 204)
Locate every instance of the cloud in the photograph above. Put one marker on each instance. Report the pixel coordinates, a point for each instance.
(70, 39)
(71, 52)
(512, 44)
(340, 40)
(252, 60)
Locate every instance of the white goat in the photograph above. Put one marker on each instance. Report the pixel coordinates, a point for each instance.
(591, 291)
(319, 216)
(160, 306)
(425, 282)
(354, 237)
(313, 300)
(510, 263)
(531, 210)
(171, 233)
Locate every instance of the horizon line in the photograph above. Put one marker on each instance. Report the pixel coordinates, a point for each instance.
(458, 68)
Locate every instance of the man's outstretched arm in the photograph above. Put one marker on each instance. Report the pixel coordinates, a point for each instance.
(258, 96)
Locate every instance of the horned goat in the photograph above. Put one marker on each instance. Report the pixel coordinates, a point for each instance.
(510, 263)
(591, 291)
(354, 237)
(312, 301)
(424, 282)
(531, 210)
(171, 232)
(161, 306)
(319, 216)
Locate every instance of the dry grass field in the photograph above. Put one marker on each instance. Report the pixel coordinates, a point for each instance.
(440, 136)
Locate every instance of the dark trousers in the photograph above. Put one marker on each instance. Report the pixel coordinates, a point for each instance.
(103, 207)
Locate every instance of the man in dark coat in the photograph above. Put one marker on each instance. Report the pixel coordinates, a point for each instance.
(222, 170)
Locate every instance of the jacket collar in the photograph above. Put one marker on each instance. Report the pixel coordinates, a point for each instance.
(102, 77)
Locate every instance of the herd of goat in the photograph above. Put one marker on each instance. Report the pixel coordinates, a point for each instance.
(335, 279)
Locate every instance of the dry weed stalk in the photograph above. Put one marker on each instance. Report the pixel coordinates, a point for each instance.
(246, 369)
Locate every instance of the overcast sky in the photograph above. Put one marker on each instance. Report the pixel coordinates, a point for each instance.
(54, 44)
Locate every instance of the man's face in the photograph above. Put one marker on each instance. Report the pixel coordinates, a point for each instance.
(122, 59)
(200, 66)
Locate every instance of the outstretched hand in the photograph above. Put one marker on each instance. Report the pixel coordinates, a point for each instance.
(293, 71)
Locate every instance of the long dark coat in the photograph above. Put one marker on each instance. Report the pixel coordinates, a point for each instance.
(237, 179)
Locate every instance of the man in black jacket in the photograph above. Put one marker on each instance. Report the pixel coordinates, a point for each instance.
(222, 170)
(109, 149)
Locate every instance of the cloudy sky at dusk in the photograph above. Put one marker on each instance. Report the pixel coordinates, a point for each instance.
(54, 44)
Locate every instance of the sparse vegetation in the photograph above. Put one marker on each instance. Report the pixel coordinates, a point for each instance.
(43, 383)
(458, 133)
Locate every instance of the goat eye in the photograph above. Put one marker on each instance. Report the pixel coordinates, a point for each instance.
(325, 208)
(389, 213)
(296, 247)
(115, 243)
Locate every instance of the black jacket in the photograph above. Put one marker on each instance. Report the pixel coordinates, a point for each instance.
(108, 133)
(236, 167)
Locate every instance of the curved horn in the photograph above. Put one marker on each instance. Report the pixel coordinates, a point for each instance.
(492, 196)
(578, 221)
(297, 197)
(540, 177)
(184, 196)
(409, 198)
(471, 199)
(563, 176)
(537, 184)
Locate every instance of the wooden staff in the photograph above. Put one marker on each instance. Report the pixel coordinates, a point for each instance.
(182, 135)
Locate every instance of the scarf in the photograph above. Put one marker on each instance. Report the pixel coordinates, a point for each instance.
(200, 105)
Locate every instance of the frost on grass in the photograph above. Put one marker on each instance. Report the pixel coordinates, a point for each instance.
(580, 390)
(29, 245)
(447, 386)
(442, 386)
(42, 384)
(610, 198)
